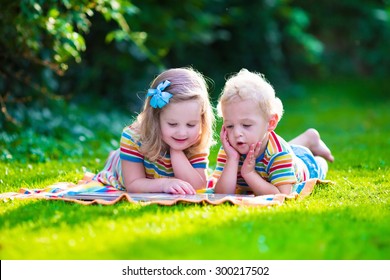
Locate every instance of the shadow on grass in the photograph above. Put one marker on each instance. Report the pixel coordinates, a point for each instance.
(336, 233)
(46, 213)
(296, 230)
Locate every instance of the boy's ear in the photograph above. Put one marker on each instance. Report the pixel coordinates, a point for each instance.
(273, 122)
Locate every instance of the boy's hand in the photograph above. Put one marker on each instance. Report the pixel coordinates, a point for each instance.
(229, 150)
(249, 163)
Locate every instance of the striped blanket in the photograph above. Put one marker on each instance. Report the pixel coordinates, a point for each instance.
(94, 192)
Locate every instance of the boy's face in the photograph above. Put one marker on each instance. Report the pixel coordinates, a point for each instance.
(245, 124)
(181, 124)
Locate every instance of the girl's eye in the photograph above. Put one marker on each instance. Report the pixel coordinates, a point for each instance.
(172, 124)
(190, 125)
(229, 126)
(247, 125)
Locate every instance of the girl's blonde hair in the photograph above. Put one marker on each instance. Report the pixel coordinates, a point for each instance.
(251, 85)
(186, 84)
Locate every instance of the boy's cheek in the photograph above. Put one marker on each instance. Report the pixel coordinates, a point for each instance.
(229, 137)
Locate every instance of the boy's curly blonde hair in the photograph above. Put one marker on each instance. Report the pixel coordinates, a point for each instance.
(251, 85)
(186, 84)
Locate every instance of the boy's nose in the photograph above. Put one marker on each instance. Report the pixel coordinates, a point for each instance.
(237, 132)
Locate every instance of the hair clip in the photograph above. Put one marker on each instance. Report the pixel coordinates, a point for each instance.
(159, 98)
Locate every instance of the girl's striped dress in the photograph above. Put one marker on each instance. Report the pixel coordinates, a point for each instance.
(130, 150)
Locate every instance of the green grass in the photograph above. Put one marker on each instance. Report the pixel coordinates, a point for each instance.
(348, 220)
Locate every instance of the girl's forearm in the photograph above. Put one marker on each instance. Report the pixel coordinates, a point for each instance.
(183, 170)
(135, 181)
(145, 185)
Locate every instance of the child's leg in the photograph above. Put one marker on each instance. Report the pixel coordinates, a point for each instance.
(323, 166)
(88, 176)
(312, 140)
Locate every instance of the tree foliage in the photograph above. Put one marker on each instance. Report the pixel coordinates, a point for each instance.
(40, 37)
(355, 35)
(97, 50)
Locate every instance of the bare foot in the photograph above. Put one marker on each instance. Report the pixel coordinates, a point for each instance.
(88, 176)
(317, 146)
(312, 140)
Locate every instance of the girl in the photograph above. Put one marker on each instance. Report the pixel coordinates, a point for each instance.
(253, 158)
(166, 149)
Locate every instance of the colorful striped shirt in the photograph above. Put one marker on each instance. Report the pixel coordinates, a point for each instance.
(277, 165)
(130, 151)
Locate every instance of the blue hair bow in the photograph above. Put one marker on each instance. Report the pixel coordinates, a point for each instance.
(159, 98)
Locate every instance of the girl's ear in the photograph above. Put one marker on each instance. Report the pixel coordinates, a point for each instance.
(273, 122)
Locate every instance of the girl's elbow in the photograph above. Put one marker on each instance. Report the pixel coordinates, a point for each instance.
(131, 187)
(202, 184)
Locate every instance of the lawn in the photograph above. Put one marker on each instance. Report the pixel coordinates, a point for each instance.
(348, 220)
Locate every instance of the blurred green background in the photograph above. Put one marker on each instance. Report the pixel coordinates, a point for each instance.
(73, 72)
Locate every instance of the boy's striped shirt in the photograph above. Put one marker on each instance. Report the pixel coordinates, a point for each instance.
(277, 165)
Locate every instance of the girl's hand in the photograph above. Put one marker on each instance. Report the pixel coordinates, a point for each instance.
(177, 186)
(229, 150)
(196, 141)
(249, 163)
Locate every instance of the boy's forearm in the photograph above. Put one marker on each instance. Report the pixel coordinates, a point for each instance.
(228, 181)
(259, 185)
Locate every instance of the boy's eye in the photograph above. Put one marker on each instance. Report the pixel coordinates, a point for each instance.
(247, 125)
(228, 126)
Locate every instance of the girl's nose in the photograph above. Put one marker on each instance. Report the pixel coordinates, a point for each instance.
(182, 131)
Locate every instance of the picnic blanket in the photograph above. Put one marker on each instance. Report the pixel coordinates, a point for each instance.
(94, 192)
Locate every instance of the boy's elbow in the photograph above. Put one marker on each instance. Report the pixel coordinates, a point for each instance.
(222, 188)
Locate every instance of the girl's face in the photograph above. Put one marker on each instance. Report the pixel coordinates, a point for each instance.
(181, 124)
(245, 125)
